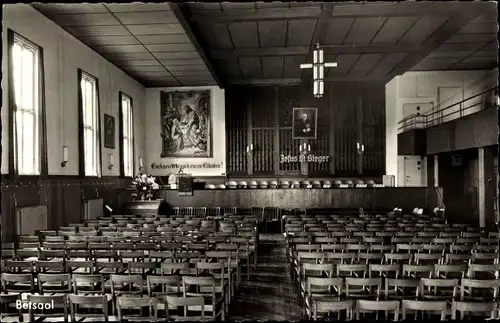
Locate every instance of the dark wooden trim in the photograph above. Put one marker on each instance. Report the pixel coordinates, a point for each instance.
(250, 15)
(11, 107)
(276, 141)
(195, 40)
(99, 126)
(359, 130)
(249, 156)
(81, 143)
(331, 129)
(442, 34)
(44, 162)
(298, 81)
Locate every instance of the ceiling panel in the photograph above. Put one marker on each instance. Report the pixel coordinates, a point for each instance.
(477, 60)
(250, 67)
(292, 66)
(272, 67)
(460, 46)
(67, 9)
(109, 40)
(151, 29)
(191, 74)
(142, 62)
(480, 27)
(204, 6)
(217, 36)
(337, 30)
(94, 19)
(244, 34)
(229, 67)
(311, 4)
(345, 64)
(422, 29)
(137, 7)
(187, 68)
(486, 53)
(439, 54)
(386, 65)
(436, 63)
(363, 30)
(274, 4)
(393, 29)
(365, 64)
(171, 48)
(472, 38)
(183, 62)
(177, 55)
(272, 33)
(163, 39)
(98, 31)
(300, 32)
(118, 49)
(238, 6)
(153, 17)
(130, 56)
(141, 69)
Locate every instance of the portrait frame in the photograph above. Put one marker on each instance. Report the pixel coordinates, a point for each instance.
(312, 114)
(197, 143)
(109, 131)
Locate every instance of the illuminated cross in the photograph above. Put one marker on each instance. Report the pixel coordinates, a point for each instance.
(318, 67)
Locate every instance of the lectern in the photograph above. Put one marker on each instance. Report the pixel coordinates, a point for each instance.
(185, 184)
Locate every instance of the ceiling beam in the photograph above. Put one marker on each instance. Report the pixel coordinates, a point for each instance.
(179, 14)
(297, 81)
(366, 10)
(442, 34)
(303, 50)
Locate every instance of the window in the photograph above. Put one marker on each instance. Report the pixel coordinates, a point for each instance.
(27, 102)
(127, 135)
(90, 125)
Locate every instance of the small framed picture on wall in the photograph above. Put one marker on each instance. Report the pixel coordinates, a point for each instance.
(109, 131)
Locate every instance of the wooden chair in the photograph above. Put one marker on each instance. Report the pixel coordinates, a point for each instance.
(418, 271)
(59, 302)
(424, 307)
(398, 258)
(438, 289)
(484, 309)
(142, 268)
(134, 303)
(129, 285)
(17, 283)
(79, 267)
(8, 306)
(480, 271)
(400, 288)
(217, 270)
(205, 287)
(352, 270)
(363, 306)
(479, 290)
(175, 268)
(49, 266)
(322, 308)
(187, 303)
(54, 283)
(450, 271)
(363, 288)
(385, 271)
(86, 301)
(18, 266)
(321, 288)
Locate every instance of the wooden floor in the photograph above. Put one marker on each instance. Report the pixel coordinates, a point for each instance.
(270, 294)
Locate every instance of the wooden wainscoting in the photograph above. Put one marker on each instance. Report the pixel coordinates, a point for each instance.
(63, 195)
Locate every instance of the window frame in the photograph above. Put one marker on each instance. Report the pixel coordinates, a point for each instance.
(121, 97)
(41, 111)
(81, 126)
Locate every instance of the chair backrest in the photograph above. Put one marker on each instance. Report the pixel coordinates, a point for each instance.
(64, 281)
(487, 309)
(325, 306)
(369, 306)
(469, 284)
(418, 271)
(355, 270)
(444, 271)
(175, 301)
(398, 285)
(57, 300)
(383, 270)
(134, 283)
(163, 285)
(366, 282)
(174, 268)
(424, 306)
(8, 280)
(88, 300)
(437, 283)
(130, 303)
(93, 284)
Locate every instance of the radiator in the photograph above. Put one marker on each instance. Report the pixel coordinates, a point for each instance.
(93, 209)
(31, 219)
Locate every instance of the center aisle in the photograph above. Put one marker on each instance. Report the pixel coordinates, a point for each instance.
(270, 294)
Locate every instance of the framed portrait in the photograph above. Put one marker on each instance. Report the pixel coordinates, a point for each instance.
(109, 131)
(305, 122)
(186, 124)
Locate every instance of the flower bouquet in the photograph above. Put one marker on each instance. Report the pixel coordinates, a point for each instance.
(144, 184)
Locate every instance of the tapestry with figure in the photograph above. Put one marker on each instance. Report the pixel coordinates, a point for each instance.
(186, 124)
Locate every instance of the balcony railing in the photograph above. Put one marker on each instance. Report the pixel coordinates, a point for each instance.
(473, 104)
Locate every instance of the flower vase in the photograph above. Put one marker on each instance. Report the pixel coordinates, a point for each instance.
(143, 196)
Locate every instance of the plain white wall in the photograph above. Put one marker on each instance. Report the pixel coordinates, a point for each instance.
(405, 92)
(63, 55)
(154, 140)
